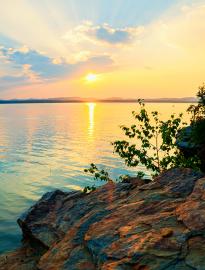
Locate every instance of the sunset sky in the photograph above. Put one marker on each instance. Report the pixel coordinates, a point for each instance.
(101, 48)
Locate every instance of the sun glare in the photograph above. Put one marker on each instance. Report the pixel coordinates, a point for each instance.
(91, 77)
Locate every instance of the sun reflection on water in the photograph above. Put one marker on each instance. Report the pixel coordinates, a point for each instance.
(47, 147)
(91, 109)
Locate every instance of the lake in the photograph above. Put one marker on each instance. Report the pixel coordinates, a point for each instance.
(47, 146)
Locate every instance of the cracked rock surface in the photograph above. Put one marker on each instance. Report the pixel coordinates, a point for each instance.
(154, 226)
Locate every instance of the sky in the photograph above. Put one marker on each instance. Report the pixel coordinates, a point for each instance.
(101, 48)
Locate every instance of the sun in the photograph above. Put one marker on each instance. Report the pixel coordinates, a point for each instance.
(91, 77)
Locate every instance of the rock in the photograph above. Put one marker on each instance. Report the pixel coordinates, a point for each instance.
(195, 257)
(192, 211)
(190, 149)
(41, 221)
(25, 258)
(179, 185)
(184, 142)
(135, 181)
(131, 225)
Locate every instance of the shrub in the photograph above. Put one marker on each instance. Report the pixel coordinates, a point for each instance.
(97, 174)
(198, 111)
(198, 132)
(198, 118)
(103, 175)
(152, 143)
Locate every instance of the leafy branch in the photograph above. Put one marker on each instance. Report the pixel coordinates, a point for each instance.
(153, 142)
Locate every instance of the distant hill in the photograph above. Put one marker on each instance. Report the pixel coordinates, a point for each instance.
(110, 100)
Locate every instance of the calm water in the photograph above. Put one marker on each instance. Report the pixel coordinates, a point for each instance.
(47, 146)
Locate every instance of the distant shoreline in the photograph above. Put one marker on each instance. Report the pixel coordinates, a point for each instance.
(44, 101)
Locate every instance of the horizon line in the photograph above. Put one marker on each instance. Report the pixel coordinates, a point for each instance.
(98, 100)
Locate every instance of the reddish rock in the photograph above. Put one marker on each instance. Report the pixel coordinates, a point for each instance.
(152, 226)
(192, 211)
(25, 258)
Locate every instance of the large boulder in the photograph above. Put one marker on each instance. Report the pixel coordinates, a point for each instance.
(153, 226)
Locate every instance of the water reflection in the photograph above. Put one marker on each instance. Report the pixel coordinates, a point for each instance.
(91, 108)
(44, 147)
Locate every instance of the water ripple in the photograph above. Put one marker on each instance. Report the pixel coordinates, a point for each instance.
(43, 147)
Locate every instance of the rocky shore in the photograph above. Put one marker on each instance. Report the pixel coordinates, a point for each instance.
(134, 225)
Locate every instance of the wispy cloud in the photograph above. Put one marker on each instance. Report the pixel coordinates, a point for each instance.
(87, 31)
(7, 82)
(39, 63)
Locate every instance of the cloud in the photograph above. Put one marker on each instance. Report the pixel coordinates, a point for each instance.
(7, 82)
(87, 31)
(187, 30)
(164, 55)
(39, 63)
(113, 36)
(32, 67)
(7, 41)
(14, 79)
(101, 60)
(98, 63)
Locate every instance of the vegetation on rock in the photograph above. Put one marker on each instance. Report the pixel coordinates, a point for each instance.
(191, 141)
(198, 118)
(198, 111)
